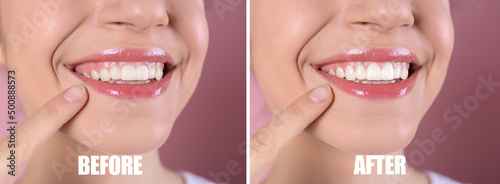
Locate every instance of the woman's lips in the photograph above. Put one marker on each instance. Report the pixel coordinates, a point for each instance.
(372, 73)
(126, 54)
(126, 73)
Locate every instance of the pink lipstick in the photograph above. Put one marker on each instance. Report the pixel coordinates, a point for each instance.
(126, 73)
(372, 73)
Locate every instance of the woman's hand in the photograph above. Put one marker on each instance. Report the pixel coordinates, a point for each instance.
(267, 144)
(39, 127)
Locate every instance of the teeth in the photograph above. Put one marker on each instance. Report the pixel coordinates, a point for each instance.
(94, 74)
(151, 72)
(404, 73)
(86, 75)
(389, 81)
(360, 72)
(331, 72)
(128, 73)
(387, 71)
(142, 72)
(373, 72)
(130, 82)
(158, 73)
(397, 72)
(377, 82)
(105, 75)
(340, 73)
(349, 73)
(115, 73)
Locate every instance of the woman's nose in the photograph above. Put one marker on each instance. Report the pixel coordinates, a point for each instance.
(135, 15)
(380, 15)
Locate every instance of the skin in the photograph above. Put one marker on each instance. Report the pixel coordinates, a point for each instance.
(287, 36)
(104, 125)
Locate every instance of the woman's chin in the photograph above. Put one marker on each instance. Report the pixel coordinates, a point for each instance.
(388, 138)
(365, 130)
(128, 130)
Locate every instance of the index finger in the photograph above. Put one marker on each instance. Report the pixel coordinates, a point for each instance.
(267, 143)
(39, 127)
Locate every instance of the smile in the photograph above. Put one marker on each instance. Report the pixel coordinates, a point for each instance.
(135, 73)
(372, 73)
(125, 73)
(369, 72)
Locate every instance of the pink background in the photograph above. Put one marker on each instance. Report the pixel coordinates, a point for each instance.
(209, 135)
(471, 153)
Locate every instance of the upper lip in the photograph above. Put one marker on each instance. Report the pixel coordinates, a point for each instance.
(372, 91)
(126, 55)
(371, 55)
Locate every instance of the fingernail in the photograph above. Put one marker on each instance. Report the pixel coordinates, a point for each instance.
(75, 93)
(320, 94)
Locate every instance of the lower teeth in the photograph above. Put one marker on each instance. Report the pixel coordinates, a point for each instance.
(131, 82)
(377, 82)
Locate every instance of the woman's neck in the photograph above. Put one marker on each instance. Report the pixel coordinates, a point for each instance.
(309, 160)
(56, 162)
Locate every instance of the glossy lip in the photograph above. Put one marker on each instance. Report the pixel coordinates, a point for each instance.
(373, 91)
(127, 91)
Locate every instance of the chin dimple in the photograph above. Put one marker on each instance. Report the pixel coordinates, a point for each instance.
(122, 72)
(369, 72)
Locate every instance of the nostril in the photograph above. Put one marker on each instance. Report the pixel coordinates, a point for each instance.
(406, 25)
(120, 23)
(161, 25)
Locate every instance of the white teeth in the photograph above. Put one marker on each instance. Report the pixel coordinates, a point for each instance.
(404, 73)
(340, 73)
(377, 82)
(105, 75)
(349, 73)
(151, 72)
(158, 73)
(142, 72)
(373, 72)
(115, 73)
(331, 72)
(397, 72)
(387, 71)
(94, 74)
(130, 82)
(128, 73)
(360, 72)
(86, 75)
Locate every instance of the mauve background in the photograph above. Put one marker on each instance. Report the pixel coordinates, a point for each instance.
(210, 132)
(471, 153)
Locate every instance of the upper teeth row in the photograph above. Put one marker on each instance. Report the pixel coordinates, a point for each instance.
(373, 72)
(126, 73)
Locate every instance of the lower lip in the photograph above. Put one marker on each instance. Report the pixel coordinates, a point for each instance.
(374, 91)
(127, 91)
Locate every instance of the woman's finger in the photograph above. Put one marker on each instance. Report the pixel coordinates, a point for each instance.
(39, 127)
(267, 143)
